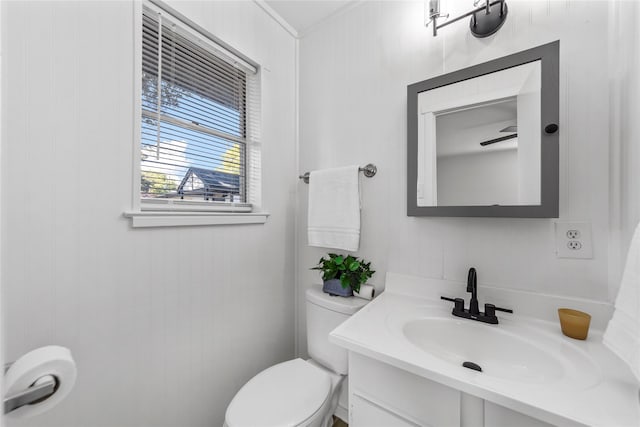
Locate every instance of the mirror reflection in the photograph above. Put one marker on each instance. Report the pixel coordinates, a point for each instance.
(479, 140)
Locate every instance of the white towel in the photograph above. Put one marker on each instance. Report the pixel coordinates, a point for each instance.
(622, 335)
(334, 208)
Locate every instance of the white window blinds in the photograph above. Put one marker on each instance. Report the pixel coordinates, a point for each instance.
(194, 117)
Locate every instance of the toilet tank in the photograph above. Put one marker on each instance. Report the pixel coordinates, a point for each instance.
(324, 314)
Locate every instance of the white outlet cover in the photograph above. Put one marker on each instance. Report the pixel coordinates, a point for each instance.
(563, 249)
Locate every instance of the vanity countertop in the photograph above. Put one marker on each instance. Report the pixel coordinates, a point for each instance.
(607, 395)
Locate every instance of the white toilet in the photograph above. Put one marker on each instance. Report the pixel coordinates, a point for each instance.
(300, 392)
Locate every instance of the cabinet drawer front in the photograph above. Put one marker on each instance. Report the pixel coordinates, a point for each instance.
(499, 416)
(411, 397)
(364, 413)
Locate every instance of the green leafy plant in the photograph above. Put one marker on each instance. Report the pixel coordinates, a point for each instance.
(350, 270)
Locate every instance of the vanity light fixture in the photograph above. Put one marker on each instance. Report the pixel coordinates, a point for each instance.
(485, 20)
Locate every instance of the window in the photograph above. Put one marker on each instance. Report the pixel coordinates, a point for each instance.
(196, 149)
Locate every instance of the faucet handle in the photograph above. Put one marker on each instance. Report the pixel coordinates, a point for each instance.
(458, 303)
(490, 310)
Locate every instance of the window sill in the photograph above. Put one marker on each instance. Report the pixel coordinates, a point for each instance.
(180, 219)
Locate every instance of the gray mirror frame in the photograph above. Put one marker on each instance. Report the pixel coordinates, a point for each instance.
(549, 56)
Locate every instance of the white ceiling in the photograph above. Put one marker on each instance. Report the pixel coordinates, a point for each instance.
(304, 14)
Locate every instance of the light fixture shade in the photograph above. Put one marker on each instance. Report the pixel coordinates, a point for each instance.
(431, 10)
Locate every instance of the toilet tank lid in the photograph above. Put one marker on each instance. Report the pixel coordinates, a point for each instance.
(344, 305)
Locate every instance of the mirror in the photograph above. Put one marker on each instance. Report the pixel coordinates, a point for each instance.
(479, 158)
(483, 141)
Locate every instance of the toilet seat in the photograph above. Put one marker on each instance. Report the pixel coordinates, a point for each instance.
(286, 394)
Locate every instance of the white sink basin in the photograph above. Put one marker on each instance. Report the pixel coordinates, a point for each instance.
(504, 352)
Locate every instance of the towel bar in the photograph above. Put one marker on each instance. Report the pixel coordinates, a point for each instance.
(369, 171)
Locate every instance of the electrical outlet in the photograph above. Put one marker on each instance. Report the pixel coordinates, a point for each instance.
(573, 240)
(573, 234)
(574, 245)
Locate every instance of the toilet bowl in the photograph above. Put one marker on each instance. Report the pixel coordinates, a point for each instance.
(300, 393)
(292, 393)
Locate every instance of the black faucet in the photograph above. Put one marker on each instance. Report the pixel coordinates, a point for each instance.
(474, 313)
(472, 286)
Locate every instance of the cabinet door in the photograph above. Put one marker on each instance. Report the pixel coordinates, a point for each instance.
(365, 413)
(499, 416)
(408, 395)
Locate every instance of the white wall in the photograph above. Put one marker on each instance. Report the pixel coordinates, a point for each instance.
(354, 71)
(165, 324)
(481, 179)
(624, 64)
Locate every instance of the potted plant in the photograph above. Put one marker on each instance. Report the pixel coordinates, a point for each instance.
(343, 274)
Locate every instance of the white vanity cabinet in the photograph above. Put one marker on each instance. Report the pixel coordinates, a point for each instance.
(499, 416)
(405, 348)
(382, 395)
